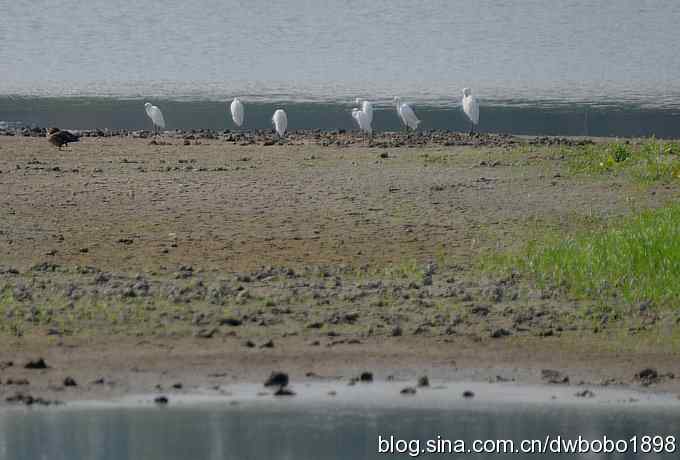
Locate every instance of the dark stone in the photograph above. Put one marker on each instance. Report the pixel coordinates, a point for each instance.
(424, 381)
(70, 382)
(408, 391)
(585, 394)
(277, 379)
(161, 400)
(230, 322)
(468, 394)
(36, 364)
(366, 377)
(500, 332)
(28, 400)
(481, 310)
(553, 376)
(177, 386)
(647, 376)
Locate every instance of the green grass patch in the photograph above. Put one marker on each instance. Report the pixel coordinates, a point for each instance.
(648, 161)
(635, 259)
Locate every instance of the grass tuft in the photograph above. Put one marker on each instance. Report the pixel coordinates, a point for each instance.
(635, 259)
(649, 161)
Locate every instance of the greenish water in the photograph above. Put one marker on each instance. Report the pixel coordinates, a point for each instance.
(282, 431)
(558, 119)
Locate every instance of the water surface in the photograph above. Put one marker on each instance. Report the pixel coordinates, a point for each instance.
(282, 431)
(554, 66)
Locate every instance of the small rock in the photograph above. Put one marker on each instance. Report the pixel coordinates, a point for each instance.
(249, 344)
(500, 332)
(205, 333)
(480, 310)
(647, 376)
(553, 376)
(268, 344)
(585, 394)
(36, 364)
(28, 400)
(468, 394)
(177, 386)
(366, 377)
(424, 381)
(161, 400)
(70, 382)
(408, 391)
(277, 379)
(230, 322)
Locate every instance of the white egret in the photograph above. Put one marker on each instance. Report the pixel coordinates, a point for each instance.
(406, 114)
(280, 120)
(237, 112)
(156, 116)
(471, 108)
(361, 117)
(367, 107)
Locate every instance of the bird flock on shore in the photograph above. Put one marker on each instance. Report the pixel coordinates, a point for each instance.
(362, 115)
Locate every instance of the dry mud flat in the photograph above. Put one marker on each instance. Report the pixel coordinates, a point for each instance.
(201, 254)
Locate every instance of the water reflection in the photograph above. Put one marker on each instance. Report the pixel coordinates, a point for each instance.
(267, 432)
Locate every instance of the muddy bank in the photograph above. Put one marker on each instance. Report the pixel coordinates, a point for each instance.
(325, 138)
(97, 368)
(158, 263)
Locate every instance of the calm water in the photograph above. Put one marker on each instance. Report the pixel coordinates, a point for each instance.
(271, 432)
(569, 66)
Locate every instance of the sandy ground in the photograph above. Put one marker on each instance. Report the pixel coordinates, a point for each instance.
(207, 262)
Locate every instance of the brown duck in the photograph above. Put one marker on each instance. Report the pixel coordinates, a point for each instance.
(60, 138)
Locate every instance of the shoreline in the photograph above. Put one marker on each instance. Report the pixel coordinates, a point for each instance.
(609, 119)
(110, 369)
